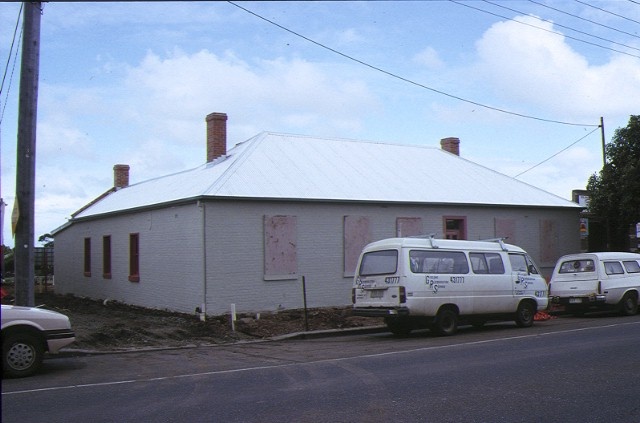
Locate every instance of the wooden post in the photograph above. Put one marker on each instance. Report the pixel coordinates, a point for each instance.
(26, 155)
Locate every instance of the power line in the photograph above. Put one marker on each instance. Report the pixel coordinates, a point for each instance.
(561, 151)
(561, 26)
(607, 11)
(543, 29)
(401, 78)
(6, 68)
(584, 19)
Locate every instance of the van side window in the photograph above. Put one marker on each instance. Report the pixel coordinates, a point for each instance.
(438, 262)
(523, 263)
(518, 262)
(632, 266)
(577, 266)
(613, 268)
(383, 262)
(533, 269)
(484, 263)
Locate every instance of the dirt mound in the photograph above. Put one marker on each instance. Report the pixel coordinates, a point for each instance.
(110, 325)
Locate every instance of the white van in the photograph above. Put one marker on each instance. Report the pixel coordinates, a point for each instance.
(439, 283)
(597, 281)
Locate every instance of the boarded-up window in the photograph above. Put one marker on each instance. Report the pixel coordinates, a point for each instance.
(87, 256)
(357, 234)
(409, 226)
(134, 257)
(548, 242)
(106, 257)
(506, 228)
(280, 247)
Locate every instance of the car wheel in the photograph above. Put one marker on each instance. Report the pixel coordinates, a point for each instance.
(21, 355)
(445, 323)
(629, 304)
(525, 314)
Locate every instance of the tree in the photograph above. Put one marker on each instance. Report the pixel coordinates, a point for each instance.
(615, 191)
(46, 240)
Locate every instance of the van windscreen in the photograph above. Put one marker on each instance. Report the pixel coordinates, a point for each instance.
(383, 262)
(577, 266)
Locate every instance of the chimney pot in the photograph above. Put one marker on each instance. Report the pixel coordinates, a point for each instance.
(121, 175)
(451, 144)
(216, 135)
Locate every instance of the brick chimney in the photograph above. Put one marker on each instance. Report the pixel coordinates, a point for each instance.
(451, 144)
(121, 176)
(216, 135)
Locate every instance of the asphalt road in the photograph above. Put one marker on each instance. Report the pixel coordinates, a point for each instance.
(564, 370)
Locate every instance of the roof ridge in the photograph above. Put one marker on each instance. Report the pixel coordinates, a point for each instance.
(342, 139)
(251, 144)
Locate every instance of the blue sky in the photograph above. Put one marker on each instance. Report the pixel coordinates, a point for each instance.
(132, 83)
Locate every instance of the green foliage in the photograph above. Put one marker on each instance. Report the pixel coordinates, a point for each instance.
(8, 265)
(615, 191)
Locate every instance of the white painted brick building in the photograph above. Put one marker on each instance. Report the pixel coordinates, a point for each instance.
(246, 226)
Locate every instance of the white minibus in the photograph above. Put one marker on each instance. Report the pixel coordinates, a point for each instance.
(439, 283)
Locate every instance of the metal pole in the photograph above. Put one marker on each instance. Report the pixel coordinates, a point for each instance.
(26, 157)
(1, 235)
(304, 298)
(604, 154)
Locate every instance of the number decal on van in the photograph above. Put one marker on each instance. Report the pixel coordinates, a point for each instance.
(457, 279)
(392, 280)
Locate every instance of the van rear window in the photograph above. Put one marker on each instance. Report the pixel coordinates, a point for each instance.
(438, 262)
(383, 262)
(577, 266)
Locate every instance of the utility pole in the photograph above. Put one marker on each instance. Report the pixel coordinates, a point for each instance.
(604, 154)
(26, 158)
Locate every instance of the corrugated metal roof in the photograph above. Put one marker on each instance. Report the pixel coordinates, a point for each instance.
(282, 166)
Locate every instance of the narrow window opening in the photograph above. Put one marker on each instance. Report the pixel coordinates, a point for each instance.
(87, 257)
(134, 257)
(106, 257)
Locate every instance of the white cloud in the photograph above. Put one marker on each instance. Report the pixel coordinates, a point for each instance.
(273, 93)
(539, 68)
(568, 171)
(429, 58)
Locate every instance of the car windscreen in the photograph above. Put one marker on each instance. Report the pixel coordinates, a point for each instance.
(382, 262)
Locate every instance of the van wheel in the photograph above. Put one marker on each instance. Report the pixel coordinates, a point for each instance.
(629, 304)
(398, 327)
(525, 314)
(445, 323)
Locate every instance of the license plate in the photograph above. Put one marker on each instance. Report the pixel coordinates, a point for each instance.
(575, 300)
(377, 293)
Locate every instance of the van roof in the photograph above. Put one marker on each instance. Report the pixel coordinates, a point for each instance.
(607, 255)
(449, 244)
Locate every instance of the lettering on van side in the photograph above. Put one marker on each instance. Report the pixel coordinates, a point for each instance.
(435, 283)
(369, 283)
(525, 280)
